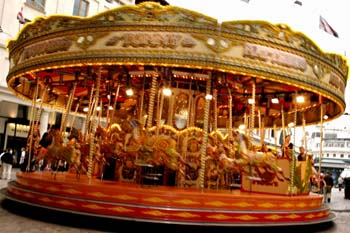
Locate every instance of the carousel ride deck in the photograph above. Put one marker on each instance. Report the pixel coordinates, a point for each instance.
(164, 204)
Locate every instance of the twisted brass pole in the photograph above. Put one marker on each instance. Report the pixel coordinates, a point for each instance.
(205, 135)
(151, 101)
(32, 124)
(94, 125)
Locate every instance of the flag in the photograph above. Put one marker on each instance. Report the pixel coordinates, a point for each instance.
(20, 17)
(327, 28)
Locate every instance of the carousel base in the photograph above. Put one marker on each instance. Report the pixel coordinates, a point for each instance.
(164, 204)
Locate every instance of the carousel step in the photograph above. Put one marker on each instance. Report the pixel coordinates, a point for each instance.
(151, 177)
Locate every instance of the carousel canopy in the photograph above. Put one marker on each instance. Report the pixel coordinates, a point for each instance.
(58, 57)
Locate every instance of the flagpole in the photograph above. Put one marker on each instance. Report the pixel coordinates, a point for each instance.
(20, 18)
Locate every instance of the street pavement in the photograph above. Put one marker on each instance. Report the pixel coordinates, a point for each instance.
(15, 218)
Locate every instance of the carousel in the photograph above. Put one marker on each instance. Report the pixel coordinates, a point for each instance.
(171, 100)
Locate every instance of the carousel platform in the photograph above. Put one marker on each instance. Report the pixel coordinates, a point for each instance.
(164, 204)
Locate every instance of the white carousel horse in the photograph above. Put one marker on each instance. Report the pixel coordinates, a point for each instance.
(260, 166)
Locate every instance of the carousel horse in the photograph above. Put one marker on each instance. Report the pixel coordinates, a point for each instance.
(134, 135)
(126, 168)
(114, 133)
(161, 150)
(159, 153)
(101, 133)
(98, 158)
(75, 164)
(32, 149)
(75, 139)
(57, 152)
(84, 153)
(192, 163)
(213, 172)
(260, 166)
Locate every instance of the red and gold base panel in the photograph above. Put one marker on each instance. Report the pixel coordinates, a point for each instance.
(163, 204)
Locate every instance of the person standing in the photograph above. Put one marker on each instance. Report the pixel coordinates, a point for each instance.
(2, 153)
(287, 147)
(7, 161)
(340, 182)
(302, 154)
(23, 155)
(329, 184)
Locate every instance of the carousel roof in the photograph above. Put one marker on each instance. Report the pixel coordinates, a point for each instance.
(127, 46)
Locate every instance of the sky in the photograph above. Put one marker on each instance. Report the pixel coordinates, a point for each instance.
(303, 18)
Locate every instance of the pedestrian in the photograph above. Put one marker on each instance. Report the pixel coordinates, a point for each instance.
(302, 154)
(7, 161)
(23, 155)
(329, 184)
(287, 147)
(340, 182)
(2, 153)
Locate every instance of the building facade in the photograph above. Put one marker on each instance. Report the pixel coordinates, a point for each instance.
(14, 15)
(331, 145)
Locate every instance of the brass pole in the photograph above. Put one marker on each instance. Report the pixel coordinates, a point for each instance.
(32, 123)
(94, 125)
(205, 135)
(321, 145)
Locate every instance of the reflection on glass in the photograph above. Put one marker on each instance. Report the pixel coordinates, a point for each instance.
(181, 110)
(200, 106)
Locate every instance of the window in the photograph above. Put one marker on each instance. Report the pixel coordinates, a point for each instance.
(334, 155)
(341, 155)
(37, 4)
(22, 111)
(330, 135)
(40, 3)
(81, 8)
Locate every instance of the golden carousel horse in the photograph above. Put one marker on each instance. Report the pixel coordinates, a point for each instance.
(57, 153)
(74, 162)
(161, 151)
(259, 166)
